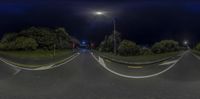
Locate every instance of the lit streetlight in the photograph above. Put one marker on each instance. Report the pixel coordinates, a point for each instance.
(186, 43)
(102, 13)
(99, 13)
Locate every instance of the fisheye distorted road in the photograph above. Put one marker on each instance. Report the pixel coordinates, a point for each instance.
(85, 78)
(99, 49)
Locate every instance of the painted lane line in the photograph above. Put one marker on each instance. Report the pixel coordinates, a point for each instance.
(102, 63)
(41, 68)
(198, 57)
(135, 67)
(128, 76)
(17, 70)
(54, 66)
(13, 66)
(67, 60)
(94, 56)
(169, 62)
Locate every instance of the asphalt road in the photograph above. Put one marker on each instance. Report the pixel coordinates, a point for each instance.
(84, 78)
(141, 70)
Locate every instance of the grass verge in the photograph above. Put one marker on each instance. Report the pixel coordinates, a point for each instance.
(38, 58)
(36, 54)
(141, 58)
(196, 52)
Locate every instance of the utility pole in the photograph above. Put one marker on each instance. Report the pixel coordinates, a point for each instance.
(114, 33)
(54, 50)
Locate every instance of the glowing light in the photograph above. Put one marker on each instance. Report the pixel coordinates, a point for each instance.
(99, 13)
(83, 42)
(185, 42)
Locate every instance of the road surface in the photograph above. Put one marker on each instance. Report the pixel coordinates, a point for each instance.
(85, 78)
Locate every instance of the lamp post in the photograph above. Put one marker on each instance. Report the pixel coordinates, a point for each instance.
(54, 50)
(101, 13)
(186, 44)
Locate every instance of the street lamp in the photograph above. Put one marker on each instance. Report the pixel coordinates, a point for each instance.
(186, 44)
(102, 13)
(99, 13)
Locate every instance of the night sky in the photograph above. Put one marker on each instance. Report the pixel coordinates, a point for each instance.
(142, 21)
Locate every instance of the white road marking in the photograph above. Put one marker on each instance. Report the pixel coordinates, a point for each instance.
(94, 56)
(41, 68)
(169, 62)
(198, 57)
(70, 59)
(102, 63)
(135, 67)
(17, 71)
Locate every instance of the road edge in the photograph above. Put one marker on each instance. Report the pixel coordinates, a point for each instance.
(66, 60)
(102, 63)
(140, 63)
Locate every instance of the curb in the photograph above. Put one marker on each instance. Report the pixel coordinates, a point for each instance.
(42, 67)
(139, 63)
(195, 55)
(102, 63)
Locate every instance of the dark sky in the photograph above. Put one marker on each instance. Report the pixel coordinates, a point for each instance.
(138, 20)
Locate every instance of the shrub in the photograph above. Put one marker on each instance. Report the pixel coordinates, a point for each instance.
(107, 45)
(128, 48)
(145, 51)
(24, 43)
(197, 47)
(165, 46)
(32, 38)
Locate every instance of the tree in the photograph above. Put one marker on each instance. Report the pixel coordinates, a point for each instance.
(197, 47)
(44, 37)
(8, 46)
(107, 44)
(128, 48)
(62, 38)
(165, 46)
(7, 41)
(8, 37)
(157, 48)
(145, 51)
(2, 46)
(47, 38)
(24, 43)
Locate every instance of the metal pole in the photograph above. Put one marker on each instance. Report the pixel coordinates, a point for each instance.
(114, 33)
(54, 50)
(188, 47)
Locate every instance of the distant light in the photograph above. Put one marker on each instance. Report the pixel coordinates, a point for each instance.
(99, 13)
(185, 42)
(83, 42)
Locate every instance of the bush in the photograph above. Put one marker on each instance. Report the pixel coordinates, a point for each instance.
(107, 45)
(32, 38)
(197, 47)
(165, 46)
(2, 46)
(8, 46)
(8, 37)
(128, 48)
(103, 47)
(145, 51)
(157, 48)
(62, 38)
(24, 43)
